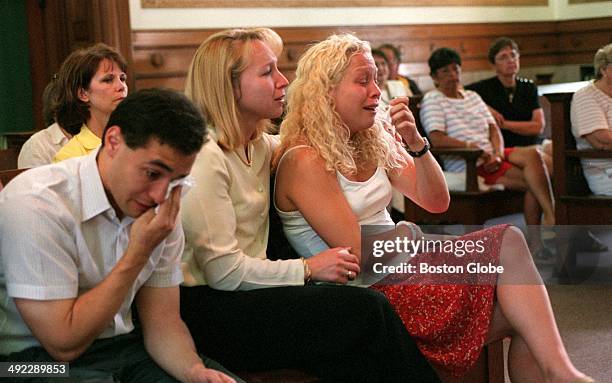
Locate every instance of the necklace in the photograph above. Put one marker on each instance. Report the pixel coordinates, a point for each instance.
(510, 93)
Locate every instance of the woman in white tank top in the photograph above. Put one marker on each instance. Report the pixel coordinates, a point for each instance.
(339, 164)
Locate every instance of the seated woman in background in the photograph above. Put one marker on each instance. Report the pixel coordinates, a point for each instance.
(40, 149)
(394, 58)
(513, 101)
(250, 312)
(457, 118)
(382, 75)
(91, 83)
(338, 167)
(591, 116)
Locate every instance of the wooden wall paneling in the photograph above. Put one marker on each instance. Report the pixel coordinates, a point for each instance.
(50, 16)
(580, 39)
(111, 25)
(329, 3)
(166, 54)
(598, 23)
(177, 83)
(169, 38)
(162, 58)
(48, 44)
(171, 60)
(80, 20)
(39, 74)
(584, 41)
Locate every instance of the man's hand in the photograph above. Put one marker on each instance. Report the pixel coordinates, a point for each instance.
(150, 228)
(201, 374)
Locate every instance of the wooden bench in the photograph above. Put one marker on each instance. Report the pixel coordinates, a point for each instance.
(16, 139)
(8, 158)
(471, 206)
(575, 203)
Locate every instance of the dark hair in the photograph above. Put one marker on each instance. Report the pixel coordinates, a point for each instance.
(394, 49)
(379, 53)
(49, 97)
(498, 45)
(163, 114)
(442, 57)
(76, 73)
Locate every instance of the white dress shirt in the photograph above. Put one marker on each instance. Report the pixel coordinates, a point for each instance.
(60, 237)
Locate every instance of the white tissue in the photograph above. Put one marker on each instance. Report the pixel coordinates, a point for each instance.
(186, 182)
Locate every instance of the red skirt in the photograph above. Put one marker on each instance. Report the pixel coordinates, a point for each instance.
(449, 322)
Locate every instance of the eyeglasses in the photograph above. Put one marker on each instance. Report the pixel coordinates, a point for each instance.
(514, 55)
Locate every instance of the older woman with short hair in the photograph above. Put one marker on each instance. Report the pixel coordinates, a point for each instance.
(591, 115)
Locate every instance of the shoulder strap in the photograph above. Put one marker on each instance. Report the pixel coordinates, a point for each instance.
(278, 167)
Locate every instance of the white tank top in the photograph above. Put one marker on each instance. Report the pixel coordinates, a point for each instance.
(368, 200)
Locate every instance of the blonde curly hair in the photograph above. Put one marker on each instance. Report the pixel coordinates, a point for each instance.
(312, 118)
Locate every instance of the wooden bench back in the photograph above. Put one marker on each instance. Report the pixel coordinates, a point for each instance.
(576, 204)
(8, 158)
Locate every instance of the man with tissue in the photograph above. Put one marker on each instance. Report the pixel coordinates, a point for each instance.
(81, 240)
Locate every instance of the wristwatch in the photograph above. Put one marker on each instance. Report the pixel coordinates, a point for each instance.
(420, 152)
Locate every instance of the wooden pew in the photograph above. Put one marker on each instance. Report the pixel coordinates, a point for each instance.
(16, 139)
(575, 204)
(469, 207)
(8, 158)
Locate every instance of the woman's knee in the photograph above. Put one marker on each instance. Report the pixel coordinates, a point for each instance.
(513, 234)
(524, 156)
(533, 156)
(514, 242)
